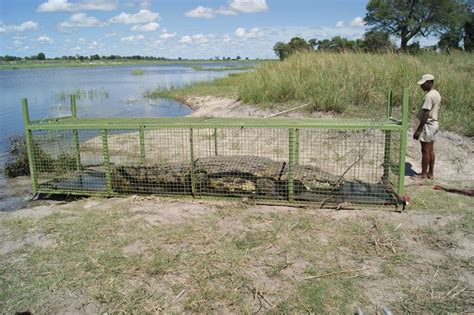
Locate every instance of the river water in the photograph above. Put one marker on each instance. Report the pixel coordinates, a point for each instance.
(103, 92)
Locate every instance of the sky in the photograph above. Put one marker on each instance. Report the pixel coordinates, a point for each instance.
(171, 28)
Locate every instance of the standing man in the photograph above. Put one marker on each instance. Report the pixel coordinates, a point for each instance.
(428, 127)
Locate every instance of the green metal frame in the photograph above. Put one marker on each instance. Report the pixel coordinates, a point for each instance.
(294, 127)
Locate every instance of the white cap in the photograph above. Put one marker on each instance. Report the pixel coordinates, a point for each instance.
(426, 77)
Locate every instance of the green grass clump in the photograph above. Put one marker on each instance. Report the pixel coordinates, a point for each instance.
(138, 72)
(357, 83)
(91, 94)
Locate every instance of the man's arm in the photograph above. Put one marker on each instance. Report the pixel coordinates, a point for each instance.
(424, 118)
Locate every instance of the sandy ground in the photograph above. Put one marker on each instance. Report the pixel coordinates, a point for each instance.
(453, 167)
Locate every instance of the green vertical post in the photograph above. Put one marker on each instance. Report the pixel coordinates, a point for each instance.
(390, 104)
(297, 146)
(291, 156)
(215, 142)
(388, 142)
(30, 147)
(141, 133)
(191, 148)
(105, 151)
(403, 142)
(75, 132)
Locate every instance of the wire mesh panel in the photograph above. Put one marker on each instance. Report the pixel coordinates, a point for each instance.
(304, 161)
(297, 164)
(348, 166)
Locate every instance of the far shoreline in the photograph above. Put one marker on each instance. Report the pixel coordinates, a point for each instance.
(17, 65)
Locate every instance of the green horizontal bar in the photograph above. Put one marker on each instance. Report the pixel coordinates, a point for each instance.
(160, 123)
(49, 120)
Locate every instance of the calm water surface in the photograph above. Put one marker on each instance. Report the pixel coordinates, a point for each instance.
(106, 92)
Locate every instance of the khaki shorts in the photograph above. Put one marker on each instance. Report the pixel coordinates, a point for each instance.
(429, 131)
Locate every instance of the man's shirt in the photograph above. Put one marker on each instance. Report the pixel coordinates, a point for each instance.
(432, 102)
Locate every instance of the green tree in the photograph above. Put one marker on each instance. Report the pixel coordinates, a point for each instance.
(376, 41)
(460, 37)
(296, 44)
(281, 50)
(407, 19)
(41, 56)
(299, 44)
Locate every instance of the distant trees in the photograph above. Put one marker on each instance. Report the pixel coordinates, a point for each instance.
(408, 19)
(373, 41)
(42, 56)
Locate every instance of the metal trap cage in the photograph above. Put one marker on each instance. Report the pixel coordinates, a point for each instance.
(325, 161)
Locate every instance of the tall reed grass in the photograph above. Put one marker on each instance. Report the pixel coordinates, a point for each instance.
(90, 94)
(357, 83)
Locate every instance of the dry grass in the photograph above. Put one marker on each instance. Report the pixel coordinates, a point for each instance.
(158, 255)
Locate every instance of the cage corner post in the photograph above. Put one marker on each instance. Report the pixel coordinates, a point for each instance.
(388, 141)
(291, 163)
(191, 156)
(30, 147)
(75, 132)
(403, 142)
(106, 157)
(141, 135)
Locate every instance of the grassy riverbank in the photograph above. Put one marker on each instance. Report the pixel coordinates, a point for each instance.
(354, 84)
(31, 64)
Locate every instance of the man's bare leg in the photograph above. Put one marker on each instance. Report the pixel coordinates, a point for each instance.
(432, 161)
(425, 158)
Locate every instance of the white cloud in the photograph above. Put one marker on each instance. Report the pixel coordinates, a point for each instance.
(111, 34)
(201, 12)
(80, 20)
(133, 38)
(85, 5)
(243, 33)
(225, 11)
(167, 35)
(358, 21)
(55, 6)
(200, 38)
(45, 39)
(340, 24)
(97, 5)
(142, 17)
(94, 45)
(23, 27)
(143, 4)
(234, 7)
(186, 40)
(248, 6)
(150, 27)
(226, 38)
(17, 43)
